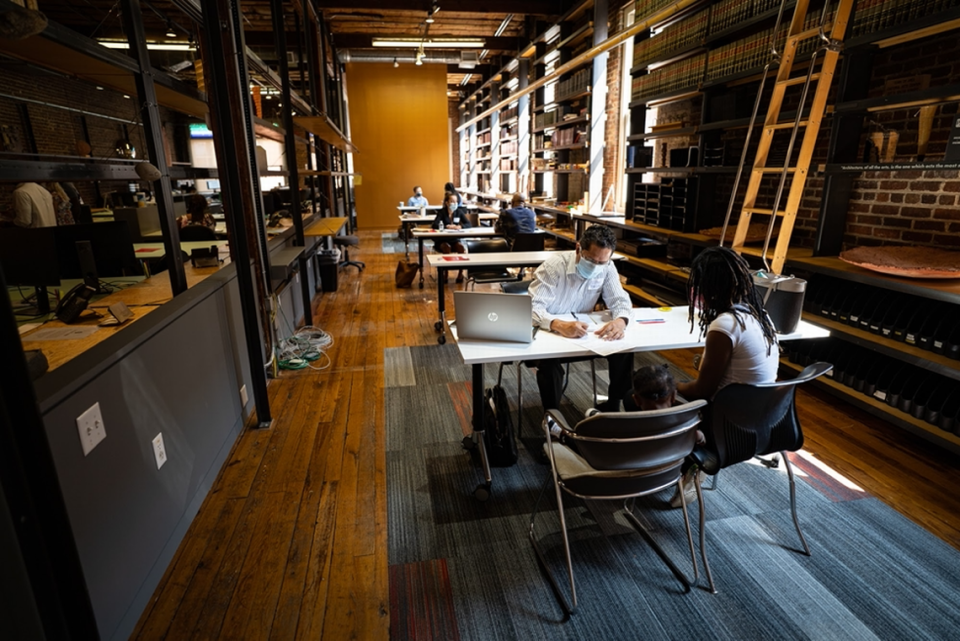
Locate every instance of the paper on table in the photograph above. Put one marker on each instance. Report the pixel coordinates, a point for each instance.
(60, 333)
(596, 344)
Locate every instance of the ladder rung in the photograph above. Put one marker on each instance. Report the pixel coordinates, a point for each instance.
(768, 212)
(799, 80)
(786, 125)
(774, 170)
(811, 32)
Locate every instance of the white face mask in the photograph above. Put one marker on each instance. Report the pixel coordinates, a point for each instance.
(452, 207)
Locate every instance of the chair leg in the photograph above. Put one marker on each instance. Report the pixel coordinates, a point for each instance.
(346, 262)
(687, 583)
(593, 371)
(703, 534)
(567, 609)
(793, 502)
(519, 398)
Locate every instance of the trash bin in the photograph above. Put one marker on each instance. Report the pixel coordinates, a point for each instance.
(327, 261)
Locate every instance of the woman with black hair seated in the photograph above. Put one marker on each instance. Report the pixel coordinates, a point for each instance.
(454, 217)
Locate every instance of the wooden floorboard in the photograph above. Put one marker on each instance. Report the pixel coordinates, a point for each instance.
(291, 542)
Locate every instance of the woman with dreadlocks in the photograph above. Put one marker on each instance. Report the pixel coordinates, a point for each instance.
(741, 345)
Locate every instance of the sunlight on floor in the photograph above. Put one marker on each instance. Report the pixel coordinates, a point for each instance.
(810, 458)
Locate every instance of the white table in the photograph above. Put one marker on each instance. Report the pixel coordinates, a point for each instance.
(450, 235)
(411, 216)
(673, 333)
(445, 262)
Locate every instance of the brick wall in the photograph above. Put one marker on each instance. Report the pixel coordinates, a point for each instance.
(453, 114)
(56, 131)
(611, 130)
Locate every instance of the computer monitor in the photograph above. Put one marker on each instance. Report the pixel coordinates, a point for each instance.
(112, 247)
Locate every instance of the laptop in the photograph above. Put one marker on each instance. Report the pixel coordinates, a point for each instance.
(492, 316)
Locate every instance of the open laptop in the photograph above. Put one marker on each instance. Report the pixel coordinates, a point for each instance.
(492, 316)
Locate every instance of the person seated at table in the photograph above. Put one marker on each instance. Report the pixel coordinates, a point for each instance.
(573, 282)
(417, 199)
(517, 220)
(741, 344)
(451, 216)
(197, 213)
(450, 188)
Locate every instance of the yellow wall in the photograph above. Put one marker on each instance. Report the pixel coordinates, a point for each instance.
(398, 121)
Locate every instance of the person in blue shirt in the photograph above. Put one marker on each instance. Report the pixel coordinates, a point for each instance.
(417, 199)
(517, 220)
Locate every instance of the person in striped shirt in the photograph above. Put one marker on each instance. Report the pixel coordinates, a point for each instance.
(572, 283)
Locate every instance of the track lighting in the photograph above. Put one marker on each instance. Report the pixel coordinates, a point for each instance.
(395, 63)
(171, 33)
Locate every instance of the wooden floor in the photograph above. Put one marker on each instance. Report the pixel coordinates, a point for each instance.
(291, 543)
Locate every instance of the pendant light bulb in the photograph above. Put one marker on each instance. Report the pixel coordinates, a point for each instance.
(395, 63)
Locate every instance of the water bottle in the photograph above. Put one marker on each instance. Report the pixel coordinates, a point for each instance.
(440, 228)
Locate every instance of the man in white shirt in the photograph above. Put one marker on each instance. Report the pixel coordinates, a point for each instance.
(417, 199)
(573, 283)
(33, 206)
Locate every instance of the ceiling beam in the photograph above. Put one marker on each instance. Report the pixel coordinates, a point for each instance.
(365, 41)
(529, 7)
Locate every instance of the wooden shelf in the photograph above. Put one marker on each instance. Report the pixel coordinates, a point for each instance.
(944, 290)
(881, 409)
(673, 96)
(664, 133)
(673, 56)
(572, 97)
(905, 352)
(659, 267)
(857, 168)
(908, 100)
(559, 171)
(643, 295)
(924, 27)
(322, 127)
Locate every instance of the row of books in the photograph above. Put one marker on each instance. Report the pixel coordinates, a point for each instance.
(677, 37)
(646, 8)
(730, 13)
(875, 15)
(575, 85)
(670, 78)
(508, 148)
(483, 139)
(566, 137)
(509, 114)
(545, 119)
(665, 204)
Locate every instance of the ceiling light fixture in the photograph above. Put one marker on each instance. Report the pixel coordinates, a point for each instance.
(429, 19)
(170, 32)
(466, 79)
(395, 63)
(154, 46)
(419, 60)
(433, 43)
(503, 26)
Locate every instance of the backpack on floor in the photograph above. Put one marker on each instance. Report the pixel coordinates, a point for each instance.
(499, 438)
(406, 273)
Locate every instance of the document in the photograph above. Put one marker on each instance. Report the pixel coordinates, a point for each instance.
(61, 333)
(594, 343)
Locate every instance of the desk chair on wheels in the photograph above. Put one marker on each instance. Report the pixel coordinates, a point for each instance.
(747, 421)
(621, 456)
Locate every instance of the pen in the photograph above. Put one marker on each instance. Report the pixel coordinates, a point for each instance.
(650, 321)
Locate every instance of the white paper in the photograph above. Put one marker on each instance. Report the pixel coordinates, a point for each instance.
(61, 333)
(594, 343)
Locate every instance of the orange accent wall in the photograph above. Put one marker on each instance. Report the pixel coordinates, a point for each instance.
(398, 121)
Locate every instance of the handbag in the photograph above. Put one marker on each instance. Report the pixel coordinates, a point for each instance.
(406, 273)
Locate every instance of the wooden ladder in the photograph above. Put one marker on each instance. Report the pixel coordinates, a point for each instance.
(830, 36)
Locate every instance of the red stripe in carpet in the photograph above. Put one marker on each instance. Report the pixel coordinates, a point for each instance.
(421, 602)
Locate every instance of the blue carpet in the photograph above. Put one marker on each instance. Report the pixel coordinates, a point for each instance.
(462, 569)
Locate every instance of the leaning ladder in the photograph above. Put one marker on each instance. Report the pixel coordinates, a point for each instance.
(830, 47)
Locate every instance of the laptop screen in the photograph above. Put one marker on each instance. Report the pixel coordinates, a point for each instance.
(492, 316)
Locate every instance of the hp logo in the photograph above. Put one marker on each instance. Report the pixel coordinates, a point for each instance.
(492, 316)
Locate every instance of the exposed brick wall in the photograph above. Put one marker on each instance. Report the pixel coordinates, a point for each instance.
(453, 114)
(56, 131)
(611, 130)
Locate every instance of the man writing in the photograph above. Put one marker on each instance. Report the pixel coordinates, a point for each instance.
(516, 220)
(572, 283)
(417, 199)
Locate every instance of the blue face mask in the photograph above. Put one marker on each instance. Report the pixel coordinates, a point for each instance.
(452, 207)
(588, 269)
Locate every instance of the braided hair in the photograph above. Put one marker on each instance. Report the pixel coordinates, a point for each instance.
(720, 282)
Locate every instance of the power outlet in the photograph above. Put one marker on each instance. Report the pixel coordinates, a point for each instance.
(159, 451)
(243, 396)
(91, 429)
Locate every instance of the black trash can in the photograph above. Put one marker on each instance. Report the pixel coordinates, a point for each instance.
(328, 264)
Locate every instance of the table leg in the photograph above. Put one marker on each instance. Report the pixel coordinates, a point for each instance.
(482, 491)
(441, 325)
(406, 239)
(420, 243)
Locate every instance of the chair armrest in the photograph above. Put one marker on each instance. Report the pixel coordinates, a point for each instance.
(707, 460)
(559, 419)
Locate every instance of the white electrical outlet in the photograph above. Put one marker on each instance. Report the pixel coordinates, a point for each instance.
(91, 429)
(159, 452)
(243, 396)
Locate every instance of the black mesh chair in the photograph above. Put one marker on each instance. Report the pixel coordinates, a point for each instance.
(747, 421)
(487, 274)
(532, 242)
(195, 233)
(621, 456)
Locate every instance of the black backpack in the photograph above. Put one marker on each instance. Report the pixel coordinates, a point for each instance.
(499, 437)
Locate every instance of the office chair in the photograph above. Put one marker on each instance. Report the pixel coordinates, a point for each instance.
(745, 421)
(622, 456)
(515, 286)
(196, 233)
(487, 274)
(529, 242)
(342, 243)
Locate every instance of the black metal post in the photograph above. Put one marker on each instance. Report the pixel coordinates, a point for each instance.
(232, 134)
(31, 492)
(153, 132)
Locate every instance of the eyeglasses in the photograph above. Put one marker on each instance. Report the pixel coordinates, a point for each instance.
(593, 262)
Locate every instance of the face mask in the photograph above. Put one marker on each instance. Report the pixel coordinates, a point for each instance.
(587, 269)
(452, 207)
